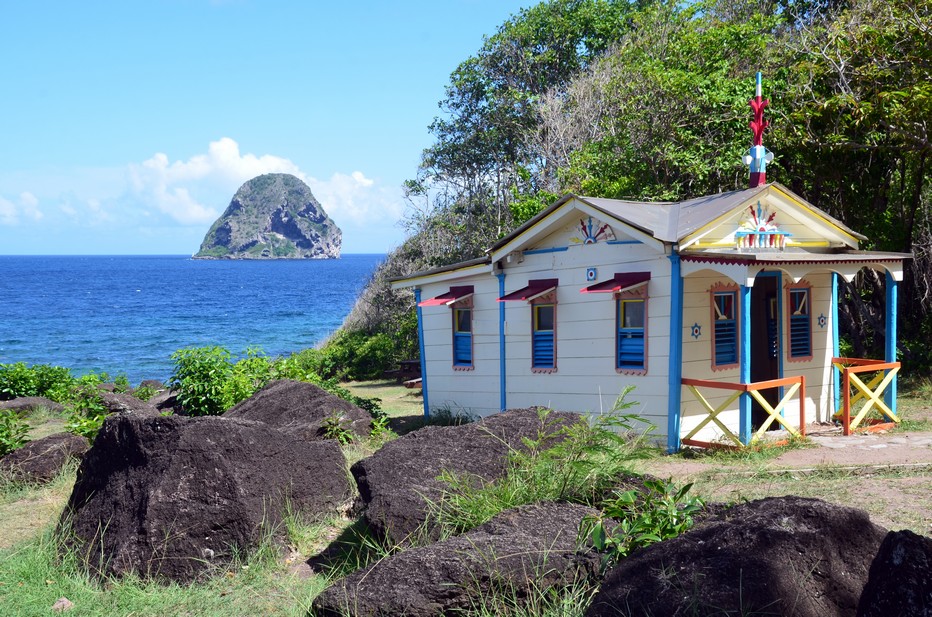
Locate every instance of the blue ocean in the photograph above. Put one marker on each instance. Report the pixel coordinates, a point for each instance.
(128, 314)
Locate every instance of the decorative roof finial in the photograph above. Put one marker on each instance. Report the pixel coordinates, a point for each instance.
(759, 156)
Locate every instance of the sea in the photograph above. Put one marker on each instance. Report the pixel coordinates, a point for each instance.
(126, 315)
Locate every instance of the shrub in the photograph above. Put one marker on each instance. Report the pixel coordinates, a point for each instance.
(660, 512)
(13, 431)
(200, 377)
(86, 410)
(17, 380)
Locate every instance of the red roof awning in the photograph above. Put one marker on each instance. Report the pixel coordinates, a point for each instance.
(535, 288)
(455, 293)
(622, 281)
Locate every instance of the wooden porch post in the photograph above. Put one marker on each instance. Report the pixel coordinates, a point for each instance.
(420, 338)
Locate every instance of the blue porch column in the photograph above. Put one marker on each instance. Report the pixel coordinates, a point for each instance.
(420, 339)
(502, 365)
(744, 366)
(676, 354)
(890, 340)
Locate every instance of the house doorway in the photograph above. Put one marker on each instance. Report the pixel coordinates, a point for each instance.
(766, 309)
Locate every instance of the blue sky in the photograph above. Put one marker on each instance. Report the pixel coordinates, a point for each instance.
(126, 127)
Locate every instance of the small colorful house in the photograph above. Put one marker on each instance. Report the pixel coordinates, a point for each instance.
(721, 311)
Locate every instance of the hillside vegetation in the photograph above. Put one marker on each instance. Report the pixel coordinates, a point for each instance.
(648, 100)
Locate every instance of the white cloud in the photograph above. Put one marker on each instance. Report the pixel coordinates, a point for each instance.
(28, 207)
(358, 198)
(179, 188)
(8, 214)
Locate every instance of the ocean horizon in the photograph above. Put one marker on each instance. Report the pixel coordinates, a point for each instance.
(126, 314)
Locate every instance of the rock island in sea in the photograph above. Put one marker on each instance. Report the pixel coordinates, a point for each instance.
(273, 216)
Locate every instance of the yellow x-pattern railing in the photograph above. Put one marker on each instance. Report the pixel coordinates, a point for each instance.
(796, 385)
(871, 392)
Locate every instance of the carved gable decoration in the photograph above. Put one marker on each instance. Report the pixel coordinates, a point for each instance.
(759, 230)
(591, 231)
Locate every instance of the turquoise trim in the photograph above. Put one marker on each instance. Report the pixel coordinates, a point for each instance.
(744, 364)
(676, 355)
(557, 249)
(420, 338)
(502, 364)
(836, 346)
(623, 242)
(890, 339)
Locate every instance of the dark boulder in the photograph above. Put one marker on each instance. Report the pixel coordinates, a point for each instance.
(398, 483)
(41, 460)
(776, 556)
(26, 404)
(527, 549)
(171, 498)
(900, 579)
(301, 409)
(120, 402)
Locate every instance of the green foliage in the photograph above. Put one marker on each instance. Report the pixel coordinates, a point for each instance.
(357, 356)
(144, 393)
(13, 431)
(121, 383)
(579, 464)
(201, 376)
(660, 512)
(18, 380)
(85, 408)
(336, 426)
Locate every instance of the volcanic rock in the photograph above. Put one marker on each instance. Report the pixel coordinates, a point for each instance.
(776, 556)
(273, 216)
(120, 402)
(171, 498)
(39, 461)
(531, 548)
(900, 578)
(301, 409)
(398, 483)
(26, 404)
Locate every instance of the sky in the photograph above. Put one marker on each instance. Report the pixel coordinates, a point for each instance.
(127, 126)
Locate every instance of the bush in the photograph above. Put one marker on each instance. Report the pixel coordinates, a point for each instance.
(13, 431)
(86, 410)
(660, 512)
(18, 380)
(201, 378)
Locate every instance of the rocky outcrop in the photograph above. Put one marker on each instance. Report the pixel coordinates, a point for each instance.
(900, 579)
(273, 216)
(172, 498)
(398, 483)
(527, 549)
(120, 402)
(27, 404)
(39, 461)
(776, 556)
(302, 409)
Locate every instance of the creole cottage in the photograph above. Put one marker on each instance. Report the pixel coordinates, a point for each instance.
(722, 311)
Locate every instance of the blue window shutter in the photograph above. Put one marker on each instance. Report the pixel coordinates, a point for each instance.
(631, 348)
(800, 340)
(543, 349)
(462, 349)
(726, 342)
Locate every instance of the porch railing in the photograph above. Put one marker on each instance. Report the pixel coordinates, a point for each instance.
(883, 374)
(797, 384)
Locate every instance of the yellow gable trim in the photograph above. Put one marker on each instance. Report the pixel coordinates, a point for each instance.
(556, 221)
(695, 239)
